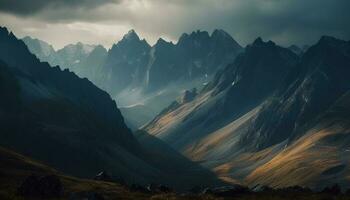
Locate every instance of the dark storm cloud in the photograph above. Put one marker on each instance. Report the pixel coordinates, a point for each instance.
(29, 7)
(283, 21)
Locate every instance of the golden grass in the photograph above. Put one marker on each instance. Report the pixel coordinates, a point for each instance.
(172, 118)
(204, 146)
(299, 164)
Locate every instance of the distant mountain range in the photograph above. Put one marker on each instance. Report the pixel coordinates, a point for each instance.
(82, 59)
(135, 73)
(132, 62)
(272, 117)
(68, 123)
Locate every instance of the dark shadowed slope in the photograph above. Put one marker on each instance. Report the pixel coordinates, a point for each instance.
(61, 118)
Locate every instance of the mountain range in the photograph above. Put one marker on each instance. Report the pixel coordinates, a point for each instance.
(259, 115)
(132, 62)
(272, 117)
(68, 123)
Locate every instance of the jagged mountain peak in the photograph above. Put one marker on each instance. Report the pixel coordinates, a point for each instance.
(161, 43)
(28, 37)
(263, 62)
(328, 39)
(260, 42)
(161, 40)
(41, 49)
(221, 37)
(4, 30)
(100, 47)
(220, 33)
(199, 33)
(131, 39)
(194, 36)
(80, 45)
(183, 36)
(331, 42)
(217, 34)
(326, 45)
(131, 35)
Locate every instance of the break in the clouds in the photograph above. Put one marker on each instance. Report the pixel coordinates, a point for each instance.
(105, 21)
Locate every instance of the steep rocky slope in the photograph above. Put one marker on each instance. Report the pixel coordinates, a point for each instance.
(270, 118)
(235, 90)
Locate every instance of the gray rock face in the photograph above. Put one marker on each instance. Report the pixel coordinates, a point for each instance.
(126, 64)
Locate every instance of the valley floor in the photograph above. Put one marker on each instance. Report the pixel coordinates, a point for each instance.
(15, 168)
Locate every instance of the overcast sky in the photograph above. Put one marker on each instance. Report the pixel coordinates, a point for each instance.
(286, 22)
